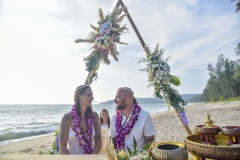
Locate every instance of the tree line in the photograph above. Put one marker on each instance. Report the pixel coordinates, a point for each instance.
(224, 81)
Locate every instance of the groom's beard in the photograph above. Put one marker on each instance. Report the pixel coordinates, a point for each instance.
(122, 105)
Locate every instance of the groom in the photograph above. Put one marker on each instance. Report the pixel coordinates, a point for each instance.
(130, 121)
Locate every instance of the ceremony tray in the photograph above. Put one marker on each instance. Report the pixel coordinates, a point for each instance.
(220, 151)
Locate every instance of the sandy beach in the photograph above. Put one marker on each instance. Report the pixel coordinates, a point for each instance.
(169, 127)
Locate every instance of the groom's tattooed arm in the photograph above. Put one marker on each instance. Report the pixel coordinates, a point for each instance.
(64, 128)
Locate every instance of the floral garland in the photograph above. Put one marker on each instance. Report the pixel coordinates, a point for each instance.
(104, 39)
(84, 140)
(160, 78)
(55, 144)
(122, 131)
(136, 154)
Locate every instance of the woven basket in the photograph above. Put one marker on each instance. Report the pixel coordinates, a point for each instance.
(169, 151)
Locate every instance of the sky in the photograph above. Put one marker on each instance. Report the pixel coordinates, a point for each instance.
(41, 64)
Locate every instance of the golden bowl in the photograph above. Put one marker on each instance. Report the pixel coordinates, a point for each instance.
(231, 130)
(200, 129)
(169, 151)
(221, 151)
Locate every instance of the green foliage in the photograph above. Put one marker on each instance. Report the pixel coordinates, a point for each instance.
(120, 158)
(212, 99)
(134, 145)
(237, 50)
(231, 99)
(224, 81)
(129, 150)
(237, 4)
(92, 61)
(221, 98)
(54, 148)
(237, 74)
(174, 80)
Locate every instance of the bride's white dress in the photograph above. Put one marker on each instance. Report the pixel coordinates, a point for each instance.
(73, 143)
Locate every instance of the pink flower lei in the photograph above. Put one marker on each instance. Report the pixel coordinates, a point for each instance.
(85, 140)
(122, 131)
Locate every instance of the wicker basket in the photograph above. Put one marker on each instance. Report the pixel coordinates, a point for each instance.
(169, 151)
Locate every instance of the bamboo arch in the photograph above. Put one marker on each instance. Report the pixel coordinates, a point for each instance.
(120, 2)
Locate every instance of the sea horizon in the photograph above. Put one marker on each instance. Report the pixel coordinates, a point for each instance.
(27, 121)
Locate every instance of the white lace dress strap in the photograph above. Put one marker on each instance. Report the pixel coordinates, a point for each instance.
(73, 143)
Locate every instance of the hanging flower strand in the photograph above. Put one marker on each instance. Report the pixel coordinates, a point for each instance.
(104, 39)
(162, 81)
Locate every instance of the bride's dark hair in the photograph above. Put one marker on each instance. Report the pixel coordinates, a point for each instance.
(80, 90)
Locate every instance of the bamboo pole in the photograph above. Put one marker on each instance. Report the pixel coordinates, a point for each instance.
(186, 127)
(133, 25)
(144, 47)
(85, 83)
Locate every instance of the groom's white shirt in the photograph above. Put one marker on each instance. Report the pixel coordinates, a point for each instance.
(143, 127)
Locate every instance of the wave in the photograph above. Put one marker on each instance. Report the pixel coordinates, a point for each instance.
(45, 119)
(18, 135)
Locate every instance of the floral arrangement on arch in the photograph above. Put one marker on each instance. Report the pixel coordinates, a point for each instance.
(103, 39)
(162, 81)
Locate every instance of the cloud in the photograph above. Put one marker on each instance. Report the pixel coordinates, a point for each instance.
(40, 60)
(78, 14)
(1, 5)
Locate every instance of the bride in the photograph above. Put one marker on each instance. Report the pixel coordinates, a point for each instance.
(80, 130)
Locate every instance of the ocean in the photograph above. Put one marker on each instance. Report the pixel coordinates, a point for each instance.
(20, 122)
